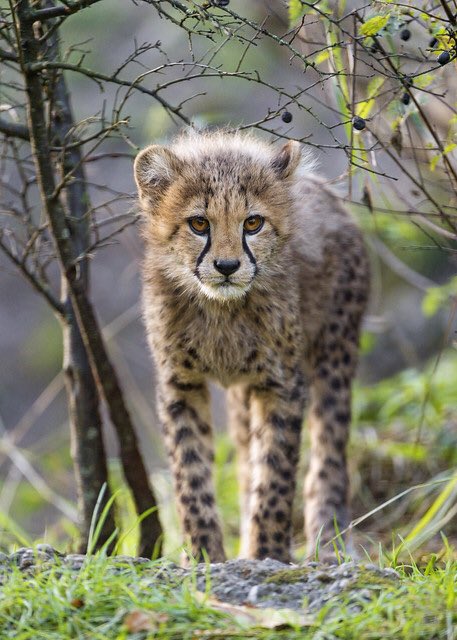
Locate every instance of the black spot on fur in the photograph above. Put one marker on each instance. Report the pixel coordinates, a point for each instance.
(277, 421)
(207, 499)
(331, 462)
(339, 490)
(286, 474)
(328, 402)
(191, 456)
(260, 490)
(296, 392)
(196, 482)
(272, 460)
(270, 383)
(342, 417)
(184, 386)
(204, 428)
(295, 424)
(176, 409)
(183, 433)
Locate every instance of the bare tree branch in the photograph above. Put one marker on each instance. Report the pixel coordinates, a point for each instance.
(14, 130)
(88, 450)
(102, 368)
(63, 10)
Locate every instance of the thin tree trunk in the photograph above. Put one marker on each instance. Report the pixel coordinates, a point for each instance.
(87, 447)
(102, 369)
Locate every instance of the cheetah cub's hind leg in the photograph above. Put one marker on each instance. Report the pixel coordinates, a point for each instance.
(334, 363)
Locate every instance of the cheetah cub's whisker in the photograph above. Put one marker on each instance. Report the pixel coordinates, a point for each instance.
(254, 276)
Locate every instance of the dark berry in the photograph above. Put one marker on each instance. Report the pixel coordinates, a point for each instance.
(221, 3)
(286, 117)
(433, 42)
(406, 98)
(358, 123)
(444, 57)
(405, 34)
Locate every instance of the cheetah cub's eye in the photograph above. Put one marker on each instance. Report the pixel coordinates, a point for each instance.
(253, 224)
(199, 225)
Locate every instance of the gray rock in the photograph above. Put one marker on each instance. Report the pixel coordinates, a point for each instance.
(75, 560)
(261, 583)
(269, 583)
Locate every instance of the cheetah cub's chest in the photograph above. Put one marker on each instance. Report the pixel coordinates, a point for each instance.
(236, 345)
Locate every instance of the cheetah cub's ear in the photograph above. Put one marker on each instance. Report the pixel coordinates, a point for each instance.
(287, 160)
(155, 169)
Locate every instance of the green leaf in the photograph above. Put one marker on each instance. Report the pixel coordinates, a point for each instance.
(374, 25)
(322, 56)
(364, 108)
(367, 342)
(296, 10)
(434, 161)
(429, 516)
(436, 297)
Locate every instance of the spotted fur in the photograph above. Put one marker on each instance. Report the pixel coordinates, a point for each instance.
(280, 333)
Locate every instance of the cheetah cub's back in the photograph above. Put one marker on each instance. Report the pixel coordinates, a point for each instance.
(255, 277)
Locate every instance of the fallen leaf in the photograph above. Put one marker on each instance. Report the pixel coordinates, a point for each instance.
(144, 620)
(252, 616)
(77, 603)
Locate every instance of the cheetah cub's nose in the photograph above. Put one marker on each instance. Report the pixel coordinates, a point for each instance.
(227, 267)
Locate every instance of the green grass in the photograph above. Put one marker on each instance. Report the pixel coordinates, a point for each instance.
(404, 435)
(98, 602)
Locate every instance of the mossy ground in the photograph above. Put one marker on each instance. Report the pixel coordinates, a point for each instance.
(100, 602)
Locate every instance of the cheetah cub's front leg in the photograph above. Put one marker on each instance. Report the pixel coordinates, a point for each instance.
(276, 415)
(185, 416)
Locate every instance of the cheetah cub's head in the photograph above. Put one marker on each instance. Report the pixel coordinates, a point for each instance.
(216, 210)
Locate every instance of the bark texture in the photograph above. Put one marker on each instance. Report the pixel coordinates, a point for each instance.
(87, 447)
(75, 281)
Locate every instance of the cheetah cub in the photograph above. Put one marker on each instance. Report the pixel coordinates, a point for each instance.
(255, 277)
